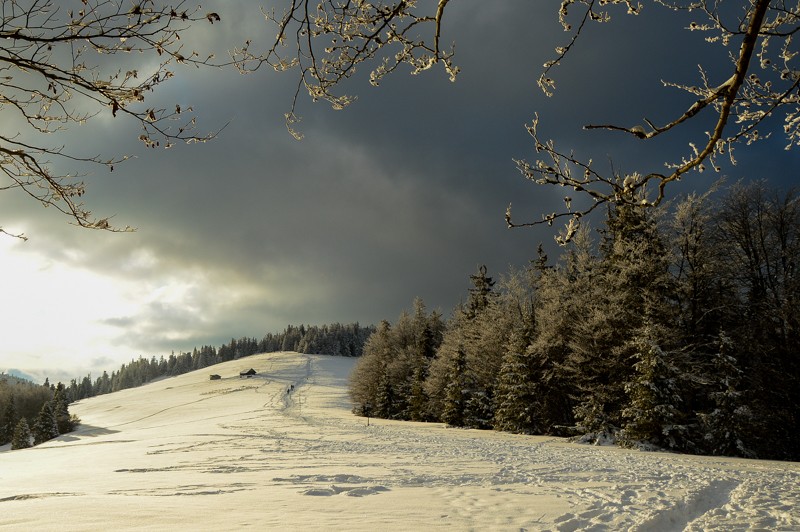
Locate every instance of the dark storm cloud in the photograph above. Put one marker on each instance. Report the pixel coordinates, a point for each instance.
(403, 194)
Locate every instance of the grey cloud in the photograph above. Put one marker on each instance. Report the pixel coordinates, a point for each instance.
(102, 362)
(402, 194)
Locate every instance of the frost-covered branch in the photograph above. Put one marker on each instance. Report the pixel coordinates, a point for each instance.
(744, 99)
(55, 72)
(326, 42)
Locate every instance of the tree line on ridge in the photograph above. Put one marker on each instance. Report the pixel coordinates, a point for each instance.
(31, 414)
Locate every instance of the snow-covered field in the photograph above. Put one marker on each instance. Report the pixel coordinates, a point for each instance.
(192, 453)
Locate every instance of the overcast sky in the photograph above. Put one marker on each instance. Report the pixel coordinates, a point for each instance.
(400, 195)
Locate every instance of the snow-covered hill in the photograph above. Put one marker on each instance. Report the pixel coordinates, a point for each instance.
(192, 453)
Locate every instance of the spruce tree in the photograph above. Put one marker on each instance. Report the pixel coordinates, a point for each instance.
(456, 393)
(728, 429)
(479, 409)
(61, 410)
(22, 435)
(370, 369)
(45, 428)
(593, 418)
(582, 348)
(8, 420)
(418, 400)
(565, 298)
(385, 400)
(653, 413)
(633, 290)
(425, 331)
(481, 292)
(515, 397)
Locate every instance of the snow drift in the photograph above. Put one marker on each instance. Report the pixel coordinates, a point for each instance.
(281, 450)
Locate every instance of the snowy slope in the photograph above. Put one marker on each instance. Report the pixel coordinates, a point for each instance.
(231, 454)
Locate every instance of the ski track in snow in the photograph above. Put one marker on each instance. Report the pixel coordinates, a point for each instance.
(255, 439)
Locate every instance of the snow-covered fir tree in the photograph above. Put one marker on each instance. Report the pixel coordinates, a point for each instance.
(8, 420)
(385, 406)
(60, 408)
(45, 428)
(654, 411)
(368, 372)
(22, 435)
(456, 393)
(516, 390)
(418, 398)
(481, 292)
(479, 409)
(728, 428)
(632, 290)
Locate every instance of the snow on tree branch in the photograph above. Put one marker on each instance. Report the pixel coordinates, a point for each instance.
(328, 41)
(55, 73)
(745, 99)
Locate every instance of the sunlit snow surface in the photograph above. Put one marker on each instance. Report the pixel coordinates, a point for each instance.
(190, 453)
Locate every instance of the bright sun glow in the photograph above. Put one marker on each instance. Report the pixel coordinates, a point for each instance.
(63, 321)
(52, 315)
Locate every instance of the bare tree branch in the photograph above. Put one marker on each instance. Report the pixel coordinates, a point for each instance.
(743, 96)
(332, 38)
(54, 74)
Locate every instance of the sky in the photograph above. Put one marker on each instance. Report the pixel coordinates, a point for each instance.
(402, 194)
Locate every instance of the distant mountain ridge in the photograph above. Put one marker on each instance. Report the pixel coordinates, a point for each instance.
(16, 377)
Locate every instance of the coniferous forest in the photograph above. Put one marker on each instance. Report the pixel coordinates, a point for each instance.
(672, 329)
(334, 339)
(31, 413)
